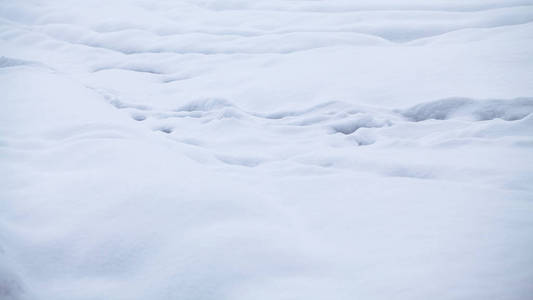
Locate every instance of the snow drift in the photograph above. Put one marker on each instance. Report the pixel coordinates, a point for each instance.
(266, 149)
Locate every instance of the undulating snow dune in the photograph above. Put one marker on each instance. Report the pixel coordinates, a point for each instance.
(283, 149)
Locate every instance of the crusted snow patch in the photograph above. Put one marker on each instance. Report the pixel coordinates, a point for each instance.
(205, 105)
(479, 110)
(11, 62)
(353, 124)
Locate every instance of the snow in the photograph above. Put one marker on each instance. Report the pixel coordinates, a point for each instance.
(238, 149)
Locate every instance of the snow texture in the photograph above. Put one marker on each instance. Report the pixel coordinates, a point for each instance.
(239, 149)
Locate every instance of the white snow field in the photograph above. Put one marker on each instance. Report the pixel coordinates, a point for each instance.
(266, 150)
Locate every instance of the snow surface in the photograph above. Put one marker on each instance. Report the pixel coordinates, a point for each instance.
(239, 149)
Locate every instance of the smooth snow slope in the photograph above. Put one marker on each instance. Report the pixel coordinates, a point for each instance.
(249, 150)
